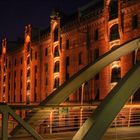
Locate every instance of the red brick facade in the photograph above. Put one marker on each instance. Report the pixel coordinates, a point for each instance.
(32, 69)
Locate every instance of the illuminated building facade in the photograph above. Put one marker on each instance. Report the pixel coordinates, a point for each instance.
(32, 68)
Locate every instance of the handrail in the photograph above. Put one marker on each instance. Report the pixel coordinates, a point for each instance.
(101, 118)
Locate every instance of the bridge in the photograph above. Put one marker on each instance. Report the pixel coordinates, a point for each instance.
(98, 120)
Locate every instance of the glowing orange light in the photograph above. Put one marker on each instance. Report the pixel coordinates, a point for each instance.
(4, 50)
(27, 40)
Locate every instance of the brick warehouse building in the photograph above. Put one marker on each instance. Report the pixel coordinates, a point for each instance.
(37, 65)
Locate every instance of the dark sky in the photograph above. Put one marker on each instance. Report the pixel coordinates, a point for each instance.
(15, 14)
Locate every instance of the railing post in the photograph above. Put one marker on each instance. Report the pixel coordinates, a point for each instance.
(4, 111)
(51, 114)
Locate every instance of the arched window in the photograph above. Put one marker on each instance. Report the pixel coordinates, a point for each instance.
(56, 83)
(113, 9)
(115, 74)
(56, 52)
(56, 66)
(114, 32)
(56, 34)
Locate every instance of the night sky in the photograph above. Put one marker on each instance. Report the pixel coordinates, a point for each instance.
(15, 14)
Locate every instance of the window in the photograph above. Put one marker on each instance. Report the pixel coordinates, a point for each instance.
(56, 83)
(56, 52)
(28, 73)
(96, 53)
(96, 35)
(4, 69)
(113, 9)
(35, 97)
(134, 22)
(28, 61)
(28, 47)
(97, 76)
(4, 78)
(46, 51)
(56, 34)
(80, 58)
(67, 76)
(56, 66)
(3, 89)
(67, 44)
(114, 32)
(115, 74)
(67, 61)
(28, 86)
(35, 55)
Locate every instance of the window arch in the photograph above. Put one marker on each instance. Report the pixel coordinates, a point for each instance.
(56, 66)
(114, 32)
(56, 83)
(113, 9)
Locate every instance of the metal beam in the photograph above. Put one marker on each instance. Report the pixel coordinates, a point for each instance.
(25, 125)
(102, 117)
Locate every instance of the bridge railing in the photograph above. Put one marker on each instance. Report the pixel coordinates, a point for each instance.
(67, 118)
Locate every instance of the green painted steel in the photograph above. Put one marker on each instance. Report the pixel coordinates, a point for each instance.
(96, 125)
(5, 110)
